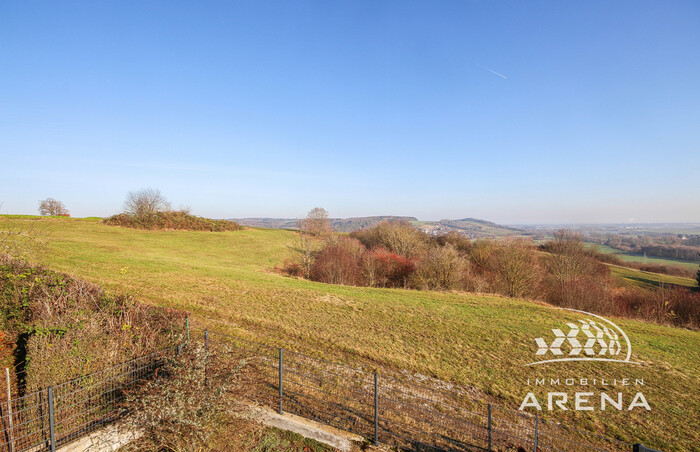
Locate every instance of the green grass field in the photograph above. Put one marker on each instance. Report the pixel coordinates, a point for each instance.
(227, 281)
(625, 257)
(649, 279)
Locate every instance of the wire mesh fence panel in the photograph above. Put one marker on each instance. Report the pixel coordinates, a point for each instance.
(87, 403)
(255, 364)
(437, 418)
(555, 436)
(80, 406)
(512, 428)
(331, 393)
(29, 424)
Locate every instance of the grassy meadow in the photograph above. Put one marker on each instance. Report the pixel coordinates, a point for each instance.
(650, 260)
(227, 281)
(646, 279)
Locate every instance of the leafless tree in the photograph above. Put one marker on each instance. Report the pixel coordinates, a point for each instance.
(145, 202)
(50, 206)
(304, 252)
(569, 259)
(316, 222)
(440, 269)
(518, 269)
(402, 238)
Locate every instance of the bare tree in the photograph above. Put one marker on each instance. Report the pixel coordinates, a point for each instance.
(50, 206)
(440, 269)
(402, 238)
(304, 252)
(569, 258)
(316, 222)
(518, 269)
(145, 202)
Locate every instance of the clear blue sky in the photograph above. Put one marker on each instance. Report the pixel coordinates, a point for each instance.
(365, 108)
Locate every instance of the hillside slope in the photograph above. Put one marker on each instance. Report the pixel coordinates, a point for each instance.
(227, 281)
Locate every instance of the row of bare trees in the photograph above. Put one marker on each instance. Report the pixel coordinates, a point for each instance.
(139, 203)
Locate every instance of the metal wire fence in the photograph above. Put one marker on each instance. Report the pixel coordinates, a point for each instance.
(391, 409)
(50, 417)
(395, 409)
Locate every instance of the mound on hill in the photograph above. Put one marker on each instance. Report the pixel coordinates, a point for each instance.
(176, 219)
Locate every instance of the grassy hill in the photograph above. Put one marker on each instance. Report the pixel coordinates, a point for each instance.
(227, 281)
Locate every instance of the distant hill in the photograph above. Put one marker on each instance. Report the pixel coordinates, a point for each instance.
(271, 223)
(356, 223)
(472, 227)
(338, 224)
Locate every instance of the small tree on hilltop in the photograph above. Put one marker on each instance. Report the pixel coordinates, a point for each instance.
(50, 206)
(145, 202)
(316, 222)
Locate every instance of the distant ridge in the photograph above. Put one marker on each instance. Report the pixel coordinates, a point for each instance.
(471, 227)
(338, 224)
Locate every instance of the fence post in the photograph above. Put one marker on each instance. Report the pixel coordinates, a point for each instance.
(177, 350)
(376, 409)
(639, 448)
(537, 422)
(52, 431)
(281, 366)
(206, 340)
(9, 410)
(490, 428)
(187, 321)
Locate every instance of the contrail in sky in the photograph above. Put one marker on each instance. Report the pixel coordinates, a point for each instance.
(492, 71)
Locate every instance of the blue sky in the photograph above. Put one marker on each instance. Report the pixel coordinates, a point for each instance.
(241, 109)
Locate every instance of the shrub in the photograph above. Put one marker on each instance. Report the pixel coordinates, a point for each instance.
(183, 410)
(458, 240)
(338, 264)
(673, 305)
(399, 237)
(382, 268)
(65, 326)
